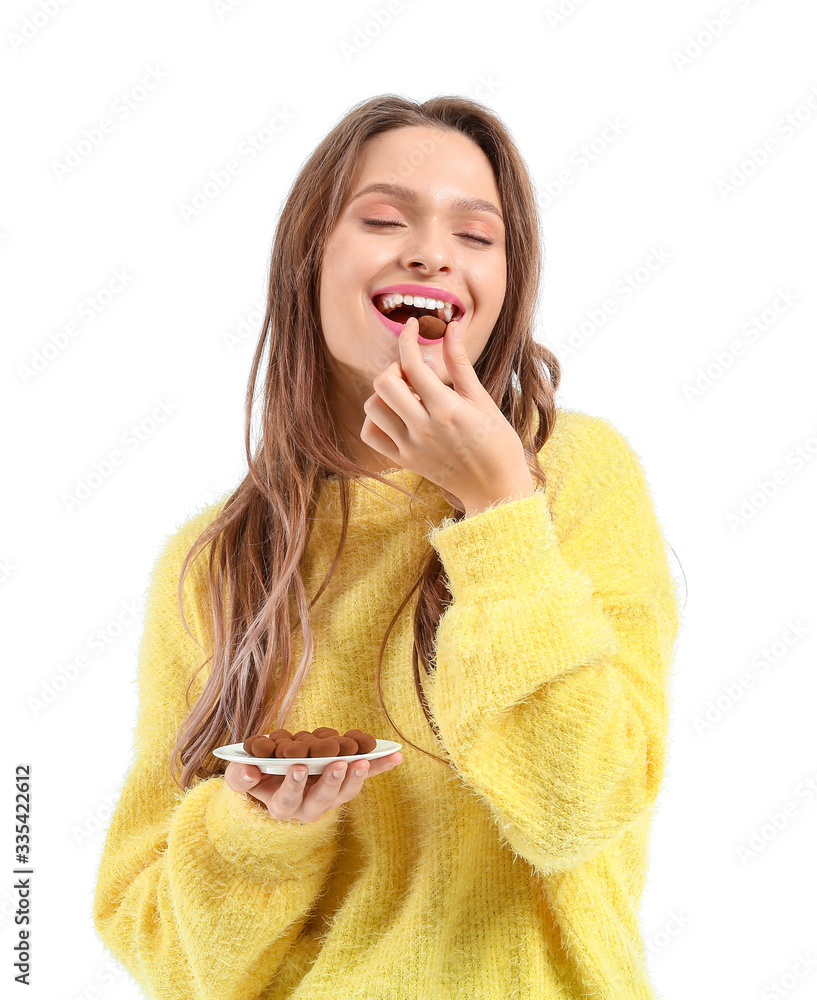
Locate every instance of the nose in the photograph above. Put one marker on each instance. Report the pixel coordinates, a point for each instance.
(428, 256)
(427, 265)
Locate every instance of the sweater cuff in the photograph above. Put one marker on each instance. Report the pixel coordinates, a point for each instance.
(482, 553)
(244, 833)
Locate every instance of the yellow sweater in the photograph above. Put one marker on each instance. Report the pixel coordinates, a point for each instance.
(516, 874)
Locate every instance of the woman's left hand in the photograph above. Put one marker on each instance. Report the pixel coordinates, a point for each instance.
(455, 437)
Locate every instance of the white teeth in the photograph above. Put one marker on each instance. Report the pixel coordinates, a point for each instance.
(445, 310)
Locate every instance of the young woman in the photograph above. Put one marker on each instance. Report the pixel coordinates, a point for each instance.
(406, 503)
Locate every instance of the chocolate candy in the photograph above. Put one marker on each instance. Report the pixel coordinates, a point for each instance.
(262, 746)
(365, 742)
(431, 327)
(322, 742)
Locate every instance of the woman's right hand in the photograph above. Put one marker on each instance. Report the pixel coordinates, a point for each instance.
(307, 800)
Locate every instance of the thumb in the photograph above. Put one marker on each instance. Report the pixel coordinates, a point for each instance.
(457, 360)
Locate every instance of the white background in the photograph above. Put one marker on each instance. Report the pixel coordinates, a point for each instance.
(729, 905)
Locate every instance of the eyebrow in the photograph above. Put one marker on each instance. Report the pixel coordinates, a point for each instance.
(406, 194)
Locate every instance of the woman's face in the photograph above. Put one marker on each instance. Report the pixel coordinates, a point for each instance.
(431, 240)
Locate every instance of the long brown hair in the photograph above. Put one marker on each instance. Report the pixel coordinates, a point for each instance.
(263, 528)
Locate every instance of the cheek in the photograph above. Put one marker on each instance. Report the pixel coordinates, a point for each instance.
(346, 275)
(499, 287)
(333, 263)
(491, 278)
(337, 283)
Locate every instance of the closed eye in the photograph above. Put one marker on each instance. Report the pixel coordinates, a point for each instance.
(389, 222)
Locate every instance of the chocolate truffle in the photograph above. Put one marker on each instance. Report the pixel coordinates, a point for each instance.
(365, 742)
(431, 327)
(262, 746)
(347, 747)
(327, 747)
(322, 742)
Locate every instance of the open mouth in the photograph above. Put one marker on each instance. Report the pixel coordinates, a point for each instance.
(398, 311)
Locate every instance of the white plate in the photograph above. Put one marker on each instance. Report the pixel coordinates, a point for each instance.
(236, 753)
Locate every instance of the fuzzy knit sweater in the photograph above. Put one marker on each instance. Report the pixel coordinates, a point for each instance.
(515, 870)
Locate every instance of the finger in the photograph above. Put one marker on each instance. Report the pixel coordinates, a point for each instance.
(287, 798)
(383, 417)
(420, 376)
(249, 776)
(241, 778)
(463, 376)
(381, 764)
(374, 437)
(326, 791)
(395, 405)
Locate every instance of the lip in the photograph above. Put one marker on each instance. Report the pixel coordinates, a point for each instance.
(429, 291)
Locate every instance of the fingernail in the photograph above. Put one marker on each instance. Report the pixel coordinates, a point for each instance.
(299, 775)
(246, 776)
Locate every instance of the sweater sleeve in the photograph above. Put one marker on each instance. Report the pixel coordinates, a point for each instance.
(199, 894)
(550, 688)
